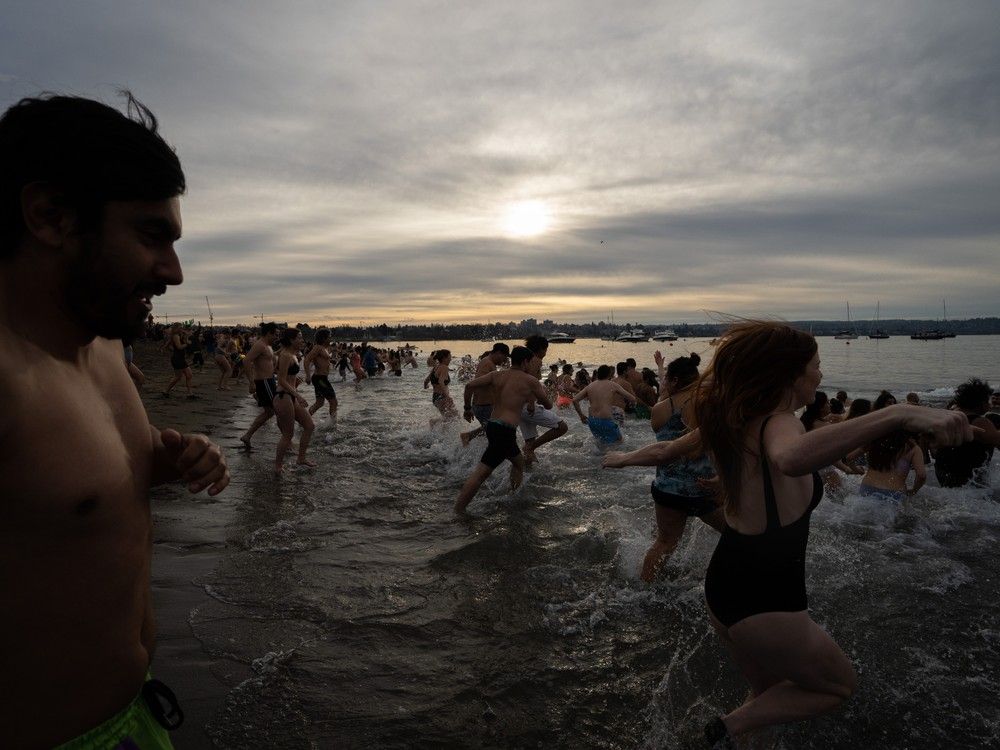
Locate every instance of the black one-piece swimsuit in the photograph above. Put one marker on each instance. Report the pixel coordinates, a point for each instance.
(754, 573)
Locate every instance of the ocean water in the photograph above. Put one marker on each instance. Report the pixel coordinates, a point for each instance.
(365, 615)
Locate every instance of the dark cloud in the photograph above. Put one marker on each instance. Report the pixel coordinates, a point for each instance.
(354, 157)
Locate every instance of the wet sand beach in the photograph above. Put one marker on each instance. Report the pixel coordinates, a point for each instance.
(188, 538)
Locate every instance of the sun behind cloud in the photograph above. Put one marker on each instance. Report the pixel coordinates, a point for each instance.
(526, 219)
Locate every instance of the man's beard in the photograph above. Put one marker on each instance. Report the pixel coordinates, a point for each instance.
(96, 300)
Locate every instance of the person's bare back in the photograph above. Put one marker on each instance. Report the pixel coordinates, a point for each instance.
(603, 395)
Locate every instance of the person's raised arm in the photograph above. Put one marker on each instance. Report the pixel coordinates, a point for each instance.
(989, 434)
(656, 454)
(796, 452)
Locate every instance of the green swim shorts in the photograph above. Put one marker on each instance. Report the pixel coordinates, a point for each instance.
(141, 725)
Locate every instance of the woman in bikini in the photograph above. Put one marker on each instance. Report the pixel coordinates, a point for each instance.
(755, 585)
(439, 377)
(289, 407)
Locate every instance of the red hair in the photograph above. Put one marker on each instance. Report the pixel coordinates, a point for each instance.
(754, 367)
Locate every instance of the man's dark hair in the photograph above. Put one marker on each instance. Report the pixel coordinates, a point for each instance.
(630, 362)
(322, 336)
(604, 372)
(90, 152)
(502, 348)
(621, 368)
(972, 394)
(537, 343)
(266, 328)
(520, 354)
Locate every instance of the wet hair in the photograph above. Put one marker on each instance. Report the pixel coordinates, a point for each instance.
(912, 398)
(621, 368)
(537, 344)
(685, 369)
(582, 377)
(972, 394)
(630, 362)
(883, 453)
(604, 372)
(322, 336)
(520, 354)
(859, 407)
(841, 395)
(883, 400)
(502, 348)
(836, 406)
(567, 369)
(288, 336)
(814, 410)
(756, 364)
(90, 152)
(441, 354)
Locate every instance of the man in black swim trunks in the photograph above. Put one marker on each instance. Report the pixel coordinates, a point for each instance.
(259, 368)
(479, 403)
(321, 357)
(512, 389)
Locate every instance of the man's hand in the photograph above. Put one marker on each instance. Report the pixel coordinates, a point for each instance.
(198, 461)
(467, 413)
(613, 460)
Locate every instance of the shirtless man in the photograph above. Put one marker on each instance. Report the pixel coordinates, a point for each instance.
(512, 390)
(259, 366)
(321, 358)
(479, 403)
(533, 417)
(603, 394)
(89, 217)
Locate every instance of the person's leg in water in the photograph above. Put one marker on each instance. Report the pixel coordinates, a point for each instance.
(670, 524)
(795, 669)
(472, 485)
(532, 445)
(284, 415)
(303, 417)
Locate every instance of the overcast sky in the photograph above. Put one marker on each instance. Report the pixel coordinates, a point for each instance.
(359, 161)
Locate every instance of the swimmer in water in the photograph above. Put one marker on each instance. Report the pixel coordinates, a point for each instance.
(602, 394)
(512, 390)
(682, 488)
(258, 365)
(479, 402)
(439, 377)
(533, 417)
(321, 358)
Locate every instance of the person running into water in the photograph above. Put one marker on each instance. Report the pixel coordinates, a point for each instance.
(259, 366)
(619, 405)
(439, 377)
(177, 344)
(479, 403)
(755, 585)
(602, 394)
(565, 387)
(321, 358)
(215, 345)
(89, 216)
(959, 465)
(890, 459)
(512, 390)
(682, 487)
(533, 417)
(288, 406)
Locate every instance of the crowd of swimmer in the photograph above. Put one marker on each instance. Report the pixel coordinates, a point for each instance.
(747, 446)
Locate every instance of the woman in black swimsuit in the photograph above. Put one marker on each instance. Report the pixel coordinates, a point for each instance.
(177, 345)
(289, 407)
(767, 463)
